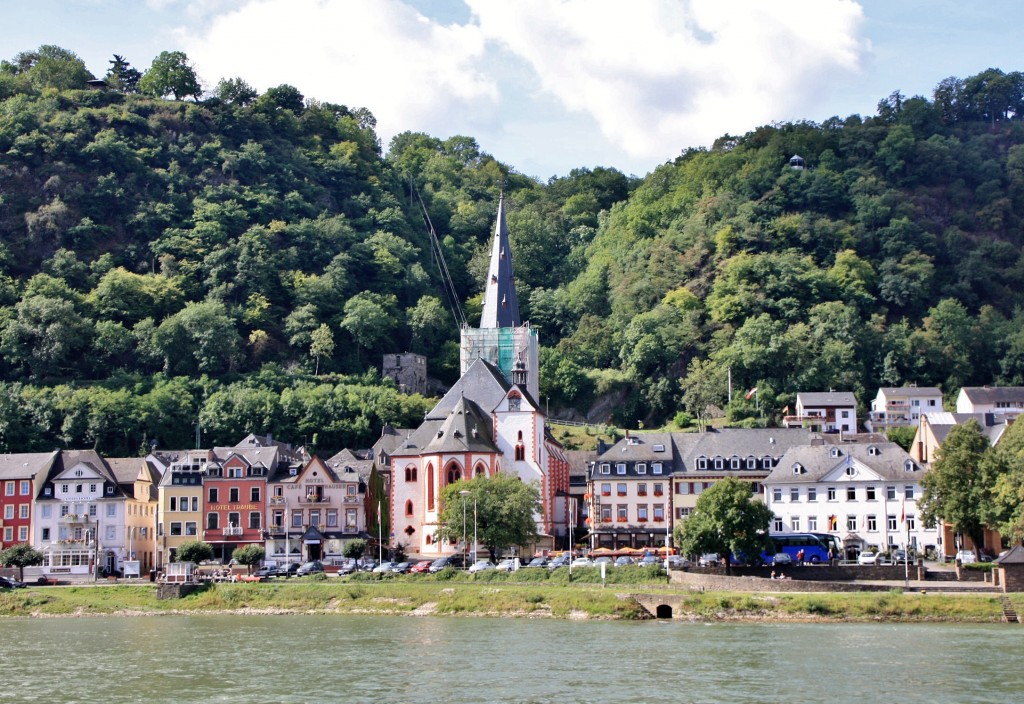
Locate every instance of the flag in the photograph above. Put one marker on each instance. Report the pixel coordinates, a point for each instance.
(785, 410)
(903, 510)
(751, 392)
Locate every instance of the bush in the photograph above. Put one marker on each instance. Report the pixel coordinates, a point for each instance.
(683, 419)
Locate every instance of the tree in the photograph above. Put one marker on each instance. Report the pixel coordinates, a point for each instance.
(235, 91)
(369, 317)
(249, 555)
(702, 388)
(21, 556)
(171, 74)
(957, 488)
(726, 520)
(321, 344)
(354, 549)
(122, 75)
(194, 551)
(505, 508)
(50, 66)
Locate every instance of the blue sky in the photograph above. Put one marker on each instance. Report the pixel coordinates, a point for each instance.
(549, 85)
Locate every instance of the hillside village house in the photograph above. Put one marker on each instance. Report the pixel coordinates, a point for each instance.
(1008, 400)
(865, 493)
(21, 478)
(896, 407)
(488, 422)
(138, 479)
(180, 500)
(825, 411)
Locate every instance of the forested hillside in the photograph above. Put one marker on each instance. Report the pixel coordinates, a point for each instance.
(242, 261)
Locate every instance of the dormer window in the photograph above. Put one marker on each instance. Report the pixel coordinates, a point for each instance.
(834, 452)
(719, 463)
(659, 448)
(798, 468)
(872, 450)
(632, 441)
(606, 468)
(620, 468)
(908, 466)
(702, 463)
(734, 463)
(656, 468)
(641, 468)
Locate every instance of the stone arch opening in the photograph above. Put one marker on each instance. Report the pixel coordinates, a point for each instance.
(663, 611)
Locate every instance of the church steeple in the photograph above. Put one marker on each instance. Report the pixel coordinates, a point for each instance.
(501, 307)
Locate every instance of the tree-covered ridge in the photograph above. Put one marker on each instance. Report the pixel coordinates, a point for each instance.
(241, 246)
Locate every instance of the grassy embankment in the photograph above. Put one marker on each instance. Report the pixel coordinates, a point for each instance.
(465, 597)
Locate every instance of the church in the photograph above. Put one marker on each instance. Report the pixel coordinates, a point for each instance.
(488, 422)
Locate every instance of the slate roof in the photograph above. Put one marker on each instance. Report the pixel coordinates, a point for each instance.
(466, 429)
(69, 458)
(910, 391)
(26, 465)
(500, 304)
(889, 462)
(346, 460)
(814, 399)
(640, 447)
(742, 442)
(992, 425)
(482, 383)
(1014, 557)
(994, 394)
(127, 470)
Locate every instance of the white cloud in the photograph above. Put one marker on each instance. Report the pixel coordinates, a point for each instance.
(659, 75)
(411, 72)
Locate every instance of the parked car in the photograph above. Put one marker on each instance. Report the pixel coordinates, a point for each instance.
(560, 561)
(900, 557)
(708, 559)
(311, 567)
(265, 572)
(10, 583)
(966, 556)
(649, 561)
(385, 566)
(582, 562)
(367, 564)
(290, 570)
(441, 563)
(624, 561)
(868, 557)
(509, 564)
(538, 562)
(481, 566)
(677, 562)
(603, 560)
(782, 558)
(420, 567)
(401, 567)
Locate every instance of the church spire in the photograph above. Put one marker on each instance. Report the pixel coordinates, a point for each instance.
(501, 307)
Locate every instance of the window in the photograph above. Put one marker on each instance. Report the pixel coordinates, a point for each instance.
(659, 489)
(9, 512)
(92, 488)
(641, 468)
(719, 463)
(9, 488)
(620, 468)
(833, 523)
(683, 488)
(890, 522)
(641, 512)
(777, 493)
(767, 462)
(175, 527)
(851, 470)
(798, 468)
(195, 503)
(812, 493)
(794, 494)
(659, 512)
(111, 532)
(606, 489)
(656, 468)
(233, 495)
(890, 493)
(682, 512)
(254, 494)
(63, 510)
(8, 534)
(734, 463)
(702, 463)
(23, 511)
(78, 488)
(911, 523)
(297, 518)
(908, 466)
(314, 518)
(872, 524)
(235, 519)
(110, 491)
(869, 493)
(606, 468)
(777, 524)
(606, 514)
(622, 513)
(620, 489)
(47, 510)
(46, 533)
(111, 510)
(659, 448)
(25, 487)
(908, 491)
(410, 473)
(254, 520)
(641, 489)
(794, 523)
(214, 495)
(812, 523)
(408, 507)
(845, 414)
(332, 517)
(851, 523)
(520, 452)
(350, 518)
(830, 493)
(22, 534)
(173, 504)
(751, 463)
(190, 528)
(63, 488)
(851, 493)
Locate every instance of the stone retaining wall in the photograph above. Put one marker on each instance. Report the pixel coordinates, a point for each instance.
(177, 591)
(711, 581)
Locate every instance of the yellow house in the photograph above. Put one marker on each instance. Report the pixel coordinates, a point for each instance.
(137, 477)
(180, 501)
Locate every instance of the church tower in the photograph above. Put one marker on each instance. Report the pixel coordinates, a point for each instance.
(503, 339)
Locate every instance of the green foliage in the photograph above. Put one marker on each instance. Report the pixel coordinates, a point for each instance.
(21, 556)
(171, 73)
(505, 507)
(249, 555)
(194, 551)
(726, 520)
(354, 549)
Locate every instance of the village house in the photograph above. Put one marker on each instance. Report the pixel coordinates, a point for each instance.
(897, 407)
(825, 412)
(865, 493)
(21, 478)
(1002, 400)
(179, 501)
(138, 479)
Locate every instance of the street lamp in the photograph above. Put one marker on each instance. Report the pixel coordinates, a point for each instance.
(464, 493)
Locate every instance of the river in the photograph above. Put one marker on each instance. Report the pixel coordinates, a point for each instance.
(250, 659)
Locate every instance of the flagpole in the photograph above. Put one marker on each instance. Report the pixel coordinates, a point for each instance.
(730, 384)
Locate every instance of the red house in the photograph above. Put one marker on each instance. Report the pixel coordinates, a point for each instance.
(21, 476)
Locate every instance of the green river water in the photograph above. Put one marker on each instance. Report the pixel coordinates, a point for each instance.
(409, 659)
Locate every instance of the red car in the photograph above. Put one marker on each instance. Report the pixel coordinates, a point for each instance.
(420, 567)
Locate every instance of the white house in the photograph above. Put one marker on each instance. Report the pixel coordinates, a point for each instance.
(825, 411)
(865, 493)
(894, 407)
(990, 399)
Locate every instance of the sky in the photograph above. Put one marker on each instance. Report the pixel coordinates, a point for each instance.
(546, 86)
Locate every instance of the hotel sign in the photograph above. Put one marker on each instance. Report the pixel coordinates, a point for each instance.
(234, 507)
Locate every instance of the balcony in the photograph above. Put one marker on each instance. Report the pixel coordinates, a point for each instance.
(233, 531)
(75, 518)
(307, 500)
(276, 500)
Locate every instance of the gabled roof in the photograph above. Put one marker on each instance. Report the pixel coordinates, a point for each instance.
(68, 459)
(501, 307)
(640, 447)
(466, 429)
(912, 391)
(390, 438)
(1014, 557)
(887, 460)
(826, 398)
(743, 442)
(993, 394)
(992, 425)
(348, 461)
(128, 469)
